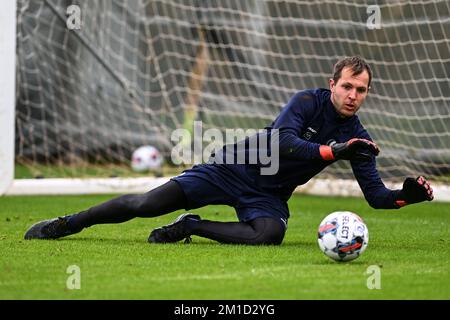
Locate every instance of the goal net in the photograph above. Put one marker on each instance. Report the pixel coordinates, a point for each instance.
(98, 79)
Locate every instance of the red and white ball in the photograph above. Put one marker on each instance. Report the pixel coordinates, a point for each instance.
(146, 158)
(343, 236)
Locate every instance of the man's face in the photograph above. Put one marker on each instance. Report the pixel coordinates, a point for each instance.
(349, 92)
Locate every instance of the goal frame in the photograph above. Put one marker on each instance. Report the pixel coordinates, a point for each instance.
(9, 186)
(7, 92)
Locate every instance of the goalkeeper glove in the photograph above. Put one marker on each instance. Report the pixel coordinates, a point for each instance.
(414, 191)
(354, 149)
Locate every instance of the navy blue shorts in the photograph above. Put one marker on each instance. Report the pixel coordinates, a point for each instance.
(212, 184)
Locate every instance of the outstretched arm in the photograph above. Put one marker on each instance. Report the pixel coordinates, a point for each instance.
(414, 191)
(380, 197)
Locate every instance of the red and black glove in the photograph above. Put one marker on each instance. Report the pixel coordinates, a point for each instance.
(354, 149)
(414, 191)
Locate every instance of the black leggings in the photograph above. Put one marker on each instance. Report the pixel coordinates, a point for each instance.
(254, 232)
(170, 197)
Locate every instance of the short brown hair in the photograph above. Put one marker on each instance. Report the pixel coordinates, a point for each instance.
(356, 63)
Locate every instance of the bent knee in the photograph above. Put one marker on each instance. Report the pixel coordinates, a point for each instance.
(269, 231)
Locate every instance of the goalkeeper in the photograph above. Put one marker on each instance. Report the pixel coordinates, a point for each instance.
(316, 128)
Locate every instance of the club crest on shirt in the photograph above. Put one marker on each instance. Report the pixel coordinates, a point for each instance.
(309, 133)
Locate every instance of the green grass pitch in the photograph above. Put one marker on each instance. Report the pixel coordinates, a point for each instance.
(411, 247)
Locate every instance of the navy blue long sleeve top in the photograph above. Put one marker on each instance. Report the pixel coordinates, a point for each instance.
(308, 121)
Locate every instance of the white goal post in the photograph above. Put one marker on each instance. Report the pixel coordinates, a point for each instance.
(7, 92)
(84, 83)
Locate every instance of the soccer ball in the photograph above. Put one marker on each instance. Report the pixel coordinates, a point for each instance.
(146, 158)
(343, 236)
